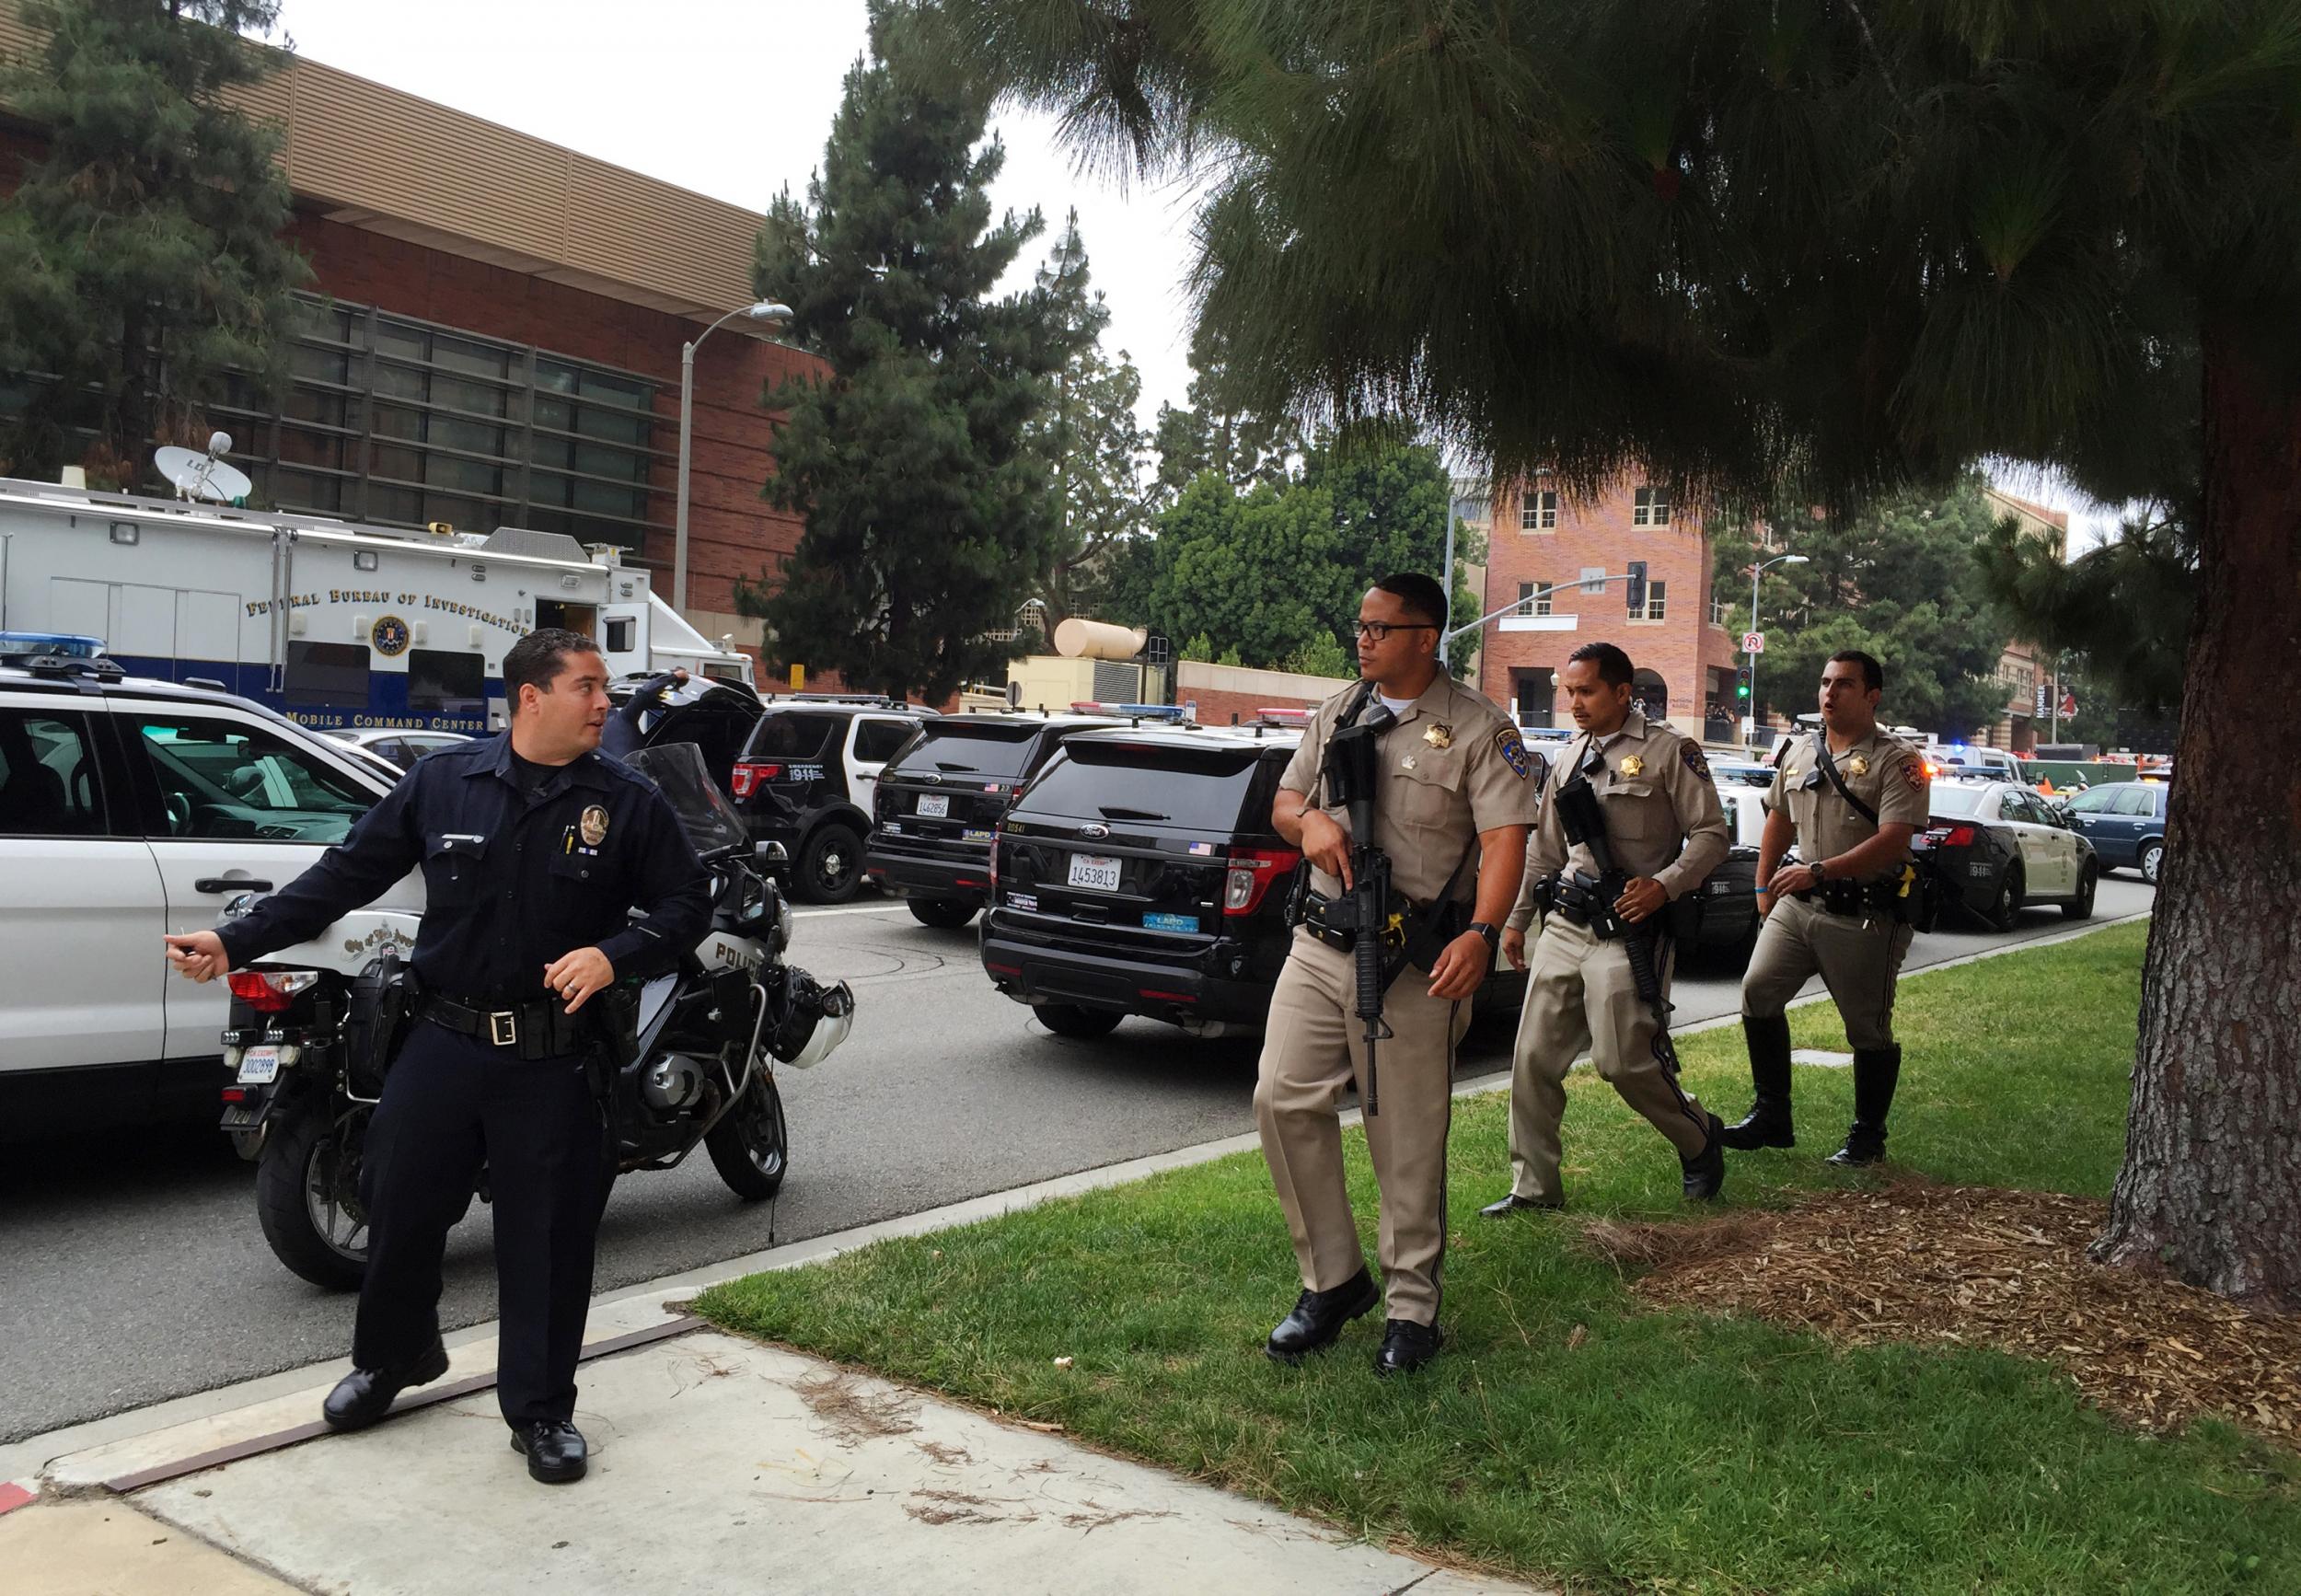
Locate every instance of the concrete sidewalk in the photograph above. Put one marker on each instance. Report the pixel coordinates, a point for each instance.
(717, 1465)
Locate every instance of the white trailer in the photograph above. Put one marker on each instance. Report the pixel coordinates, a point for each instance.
(332, 623)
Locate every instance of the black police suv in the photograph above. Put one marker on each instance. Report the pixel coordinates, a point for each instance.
(939, 802)
(805, 779)
(1139, 874)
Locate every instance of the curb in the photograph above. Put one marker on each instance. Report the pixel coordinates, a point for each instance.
(206, 1416)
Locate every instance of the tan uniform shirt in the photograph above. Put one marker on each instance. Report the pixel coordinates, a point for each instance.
(1451, 768)
(1882, 769)
(1656, 793)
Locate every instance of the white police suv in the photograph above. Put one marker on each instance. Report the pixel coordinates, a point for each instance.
(129, 808)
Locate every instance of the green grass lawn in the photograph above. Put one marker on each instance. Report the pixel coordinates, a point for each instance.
(1567, 1435)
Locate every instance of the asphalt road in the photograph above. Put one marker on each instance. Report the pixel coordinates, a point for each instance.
(131, 1268)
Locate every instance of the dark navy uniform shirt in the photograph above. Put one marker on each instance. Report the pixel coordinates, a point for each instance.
(514, 876)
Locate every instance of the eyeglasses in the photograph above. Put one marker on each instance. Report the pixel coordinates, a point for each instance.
(1380, 630)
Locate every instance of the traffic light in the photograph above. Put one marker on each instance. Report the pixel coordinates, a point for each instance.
(1637, 589)
(1742, 684)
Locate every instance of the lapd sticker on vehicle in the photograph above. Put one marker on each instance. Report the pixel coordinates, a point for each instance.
(1513, 750)
(1170, 922)
(807, 772)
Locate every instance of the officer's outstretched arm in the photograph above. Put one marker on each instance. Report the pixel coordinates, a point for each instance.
(384, 846)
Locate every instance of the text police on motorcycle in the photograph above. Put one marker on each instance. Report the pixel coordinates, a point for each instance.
(1653, 793)
(1451, 799)
(534, 850)
(1850, 796)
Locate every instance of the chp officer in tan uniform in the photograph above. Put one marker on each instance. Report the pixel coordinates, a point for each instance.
(1452, 806)
(1850, 796)
(1666, 827)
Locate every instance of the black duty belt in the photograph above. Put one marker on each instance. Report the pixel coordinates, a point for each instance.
(1851, 897)
(536, 1028)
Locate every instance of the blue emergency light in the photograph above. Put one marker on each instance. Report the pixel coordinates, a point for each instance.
(15, 645)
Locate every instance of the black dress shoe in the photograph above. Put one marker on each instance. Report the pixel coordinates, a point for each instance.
(364, 1395)
(1319, 1316)
(1705, 1170)
(555, 1449)
(1514, 1204)
(1407, 1346)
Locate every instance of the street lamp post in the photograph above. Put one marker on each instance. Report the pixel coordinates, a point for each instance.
(767, 311)
(1749, 721)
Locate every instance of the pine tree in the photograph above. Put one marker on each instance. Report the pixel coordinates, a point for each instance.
(1090, 440)
(141, 258)
(928, 515)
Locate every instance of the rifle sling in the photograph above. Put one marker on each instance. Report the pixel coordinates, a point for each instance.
(1830, 768)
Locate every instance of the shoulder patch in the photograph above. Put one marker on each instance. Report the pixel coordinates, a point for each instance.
(1691, 752)
(1913, 772)
(1513, 749)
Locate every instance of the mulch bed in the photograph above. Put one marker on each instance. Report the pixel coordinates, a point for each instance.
(1981, 1267)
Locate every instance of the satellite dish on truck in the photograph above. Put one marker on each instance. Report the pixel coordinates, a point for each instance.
(199, 476)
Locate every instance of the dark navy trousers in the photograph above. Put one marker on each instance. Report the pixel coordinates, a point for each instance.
(449, 1103)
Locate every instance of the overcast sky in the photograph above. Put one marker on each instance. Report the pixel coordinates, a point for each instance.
(734, 100)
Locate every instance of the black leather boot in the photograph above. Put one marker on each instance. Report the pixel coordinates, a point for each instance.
(1512, 1203)
(1877, 1070)
(1767, 1123)
(1319, 1316)
(1705, 1170)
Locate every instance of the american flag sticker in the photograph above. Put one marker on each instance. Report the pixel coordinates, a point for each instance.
(1202, 847)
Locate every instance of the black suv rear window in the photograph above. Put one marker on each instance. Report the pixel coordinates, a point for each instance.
(1210, 788)
(791, 735)
(985, 748)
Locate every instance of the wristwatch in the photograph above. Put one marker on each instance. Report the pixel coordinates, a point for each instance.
(1818, 874)
(1492, 933)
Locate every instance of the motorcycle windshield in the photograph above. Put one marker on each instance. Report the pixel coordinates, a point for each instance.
(679, 774)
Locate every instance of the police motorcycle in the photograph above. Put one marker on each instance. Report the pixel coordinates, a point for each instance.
(683, 1060)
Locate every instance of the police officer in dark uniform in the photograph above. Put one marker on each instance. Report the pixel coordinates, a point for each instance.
(534, 849)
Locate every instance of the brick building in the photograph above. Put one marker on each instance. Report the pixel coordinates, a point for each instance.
(494, 337)
(2026, 670)
(1540, 539)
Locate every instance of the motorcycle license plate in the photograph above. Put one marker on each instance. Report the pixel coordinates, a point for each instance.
(258, 1066)
(1095, 872)
(934, 806)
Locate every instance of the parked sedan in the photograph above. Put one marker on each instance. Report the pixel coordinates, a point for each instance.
(2126, 823)
(398, 747)
(1993, 848)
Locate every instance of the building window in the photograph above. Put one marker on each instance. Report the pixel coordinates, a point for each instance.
(1718, 610)
(1534, 599)
(1650, 507)
(1657, 596)
(1539, 511)
(389, 420)
(1593, 579)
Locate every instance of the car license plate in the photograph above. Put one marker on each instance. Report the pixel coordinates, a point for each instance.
(1170, 922)
(934, 806)
(1095, 872)
(258, 1066)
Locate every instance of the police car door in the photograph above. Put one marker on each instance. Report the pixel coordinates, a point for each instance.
(80, 903)
(2045, 860)
(872, 741)
(243, 805)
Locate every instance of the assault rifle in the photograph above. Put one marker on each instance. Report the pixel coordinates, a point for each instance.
(1584, 822)
(1353, 776)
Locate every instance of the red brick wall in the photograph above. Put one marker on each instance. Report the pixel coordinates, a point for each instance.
(732, 531)
(1215, 708)
(1694, 660)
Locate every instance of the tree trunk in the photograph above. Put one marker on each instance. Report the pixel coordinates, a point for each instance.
(2212, 1181)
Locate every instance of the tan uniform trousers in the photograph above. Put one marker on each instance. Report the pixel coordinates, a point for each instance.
(1579, 994)
(1858, 963)
(1314, 1048)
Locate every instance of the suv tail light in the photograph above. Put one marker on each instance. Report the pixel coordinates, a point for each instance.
(1249, 876)
(748, 775)
(270, 991)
